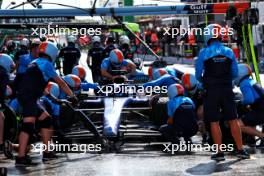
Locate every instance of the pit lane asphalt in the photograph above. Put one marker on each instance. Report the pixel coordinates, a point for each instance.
(136, 161)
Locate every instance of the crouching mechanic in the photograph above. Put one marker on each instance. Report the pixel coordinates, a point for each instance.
(115, 61)
(253, 95)
(32, 86)
(162, 78)
(181, 120)
(215, 68)
(193, 90)
(6, 67)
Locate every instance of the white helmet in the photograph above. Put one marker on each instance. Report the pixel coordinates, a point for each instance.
(10, 43)
(124, 40)
(49, 49)
(36, 41)
(71, 38)
(24, 42)
(96, 39)
(7, 62)
(138, 62)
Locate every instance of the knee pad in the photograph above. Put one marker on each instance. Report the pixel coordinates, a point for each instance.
(28, 128)
(46, 123)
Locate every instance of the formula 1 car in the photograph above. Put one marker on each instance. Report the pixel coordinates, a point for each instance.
(117, 116)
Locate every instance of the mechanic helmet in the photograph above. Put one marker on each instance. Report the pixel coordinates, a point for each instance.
(189, 81)
(96, 39)
(35, 42)
(9, 91)
(212, 31)
(53, 89)
(116, 57)
(10, 43)
(138, 62)
(49, 49)
(24, 42)
(244, 70)
(73, 81)
(110, 39)
(79, 71)
(7, 62)
(175, 90)
(159, 72)
(124, 40)
(71, 39)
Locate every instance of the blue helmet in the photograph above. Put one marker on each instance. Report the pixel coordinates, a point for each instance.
(7, 62)
(244, 70)
(73, 81)
(175, 90)
(116, 57)
(159, 72)
(189, 81)
(49, 49)
(53, 89)
(79, 71)
(212, 31)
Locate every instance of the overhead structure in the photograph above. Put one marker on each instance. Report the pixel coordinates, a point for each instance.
(191, 9)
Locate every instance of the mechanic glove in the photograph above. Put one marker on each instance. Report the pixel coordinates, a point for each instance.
(73, 99)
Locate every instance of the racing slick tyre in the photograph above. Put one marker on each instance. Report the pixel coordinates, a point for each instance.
(158, 114)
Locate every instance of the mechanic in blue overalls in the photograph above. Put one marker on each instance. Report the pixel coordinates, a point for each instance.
(215, 68)
(181, 120)
(6, 67)
(161, 77)
(30, 89)
(172, 71)
(81, 73)
(253, 95)
(193, 89)
(115, 61)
